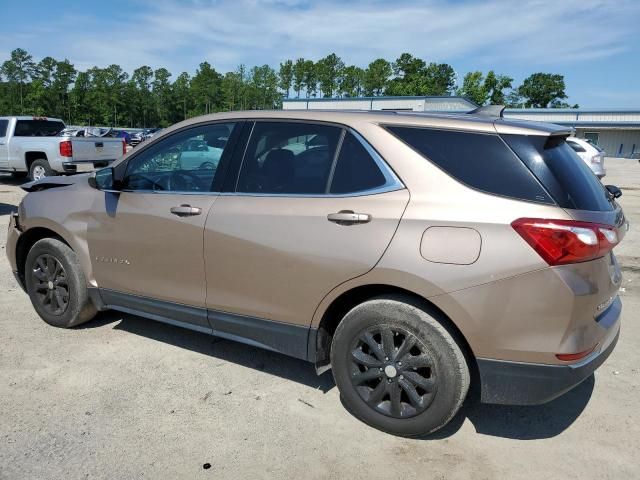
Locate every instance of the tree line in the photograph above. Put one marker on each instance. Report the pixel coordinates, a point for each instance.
(148, 97)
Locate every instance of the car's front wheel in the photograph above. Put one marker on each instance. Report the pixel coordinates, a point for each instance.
(397, 367)
(56, 284)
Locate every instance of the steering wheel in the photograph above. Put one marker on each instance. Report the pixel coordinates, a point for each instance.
(183, 180)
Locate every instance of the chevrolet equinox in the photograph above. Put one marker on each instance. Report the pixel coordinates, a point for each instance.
(410, 253)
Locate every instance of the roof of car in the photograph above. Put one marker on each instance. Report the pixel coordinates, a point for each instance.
(30, 117)
(458, 121)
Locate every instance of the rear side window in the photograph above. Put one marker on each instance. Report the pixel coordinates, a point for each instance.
(356, 170)
(480, 161)
(3, 127)
(37, 128)
(576, 147)
(288, 158)
(564, 174)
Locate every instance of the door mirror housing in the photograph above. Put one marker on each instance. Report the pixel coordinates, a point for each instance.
(614, 191)
(103, 179)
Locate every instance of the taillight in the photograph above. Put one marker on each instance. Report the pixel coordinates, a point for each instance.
(66, 149)
(560, 242)
(124, 147)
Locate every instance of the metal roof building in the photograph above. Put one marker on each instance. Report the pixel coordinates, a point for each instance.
(617, 131)
(410, 104)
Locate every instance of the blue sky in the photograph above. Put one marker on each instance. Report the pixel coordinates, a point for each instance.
(595, 44)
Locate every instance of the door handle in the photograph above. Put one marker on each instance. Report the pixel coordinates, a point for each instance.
(186, 210)
(348, 217)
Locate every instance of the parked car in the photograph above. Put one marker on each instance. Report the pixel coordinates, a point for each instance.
(411, 254)
(590, 153)
(32, 146)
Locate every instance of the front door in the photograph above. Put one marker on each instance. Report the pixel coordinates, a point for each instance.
(146, 243)
(314, 207)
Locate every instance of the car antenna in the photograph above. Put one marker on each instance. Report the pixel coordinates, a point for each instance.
(489, 111)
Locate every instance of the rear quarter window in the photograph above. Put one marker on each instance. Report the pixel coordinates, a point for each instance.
(563, 173)
(481, 161)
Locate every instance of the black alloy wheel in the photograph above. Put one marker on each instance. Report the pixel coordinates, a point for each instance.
(392, 371)
(51, 286)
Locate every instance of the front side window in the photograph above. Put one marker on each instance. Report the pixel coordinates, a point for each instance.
(186, 161)
(288, 158)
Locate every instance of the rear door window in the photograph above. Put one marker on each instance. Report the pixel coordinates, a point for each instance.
(3, 127)
(288, 158)
(564, 174)
(356, 170)
(480, 161)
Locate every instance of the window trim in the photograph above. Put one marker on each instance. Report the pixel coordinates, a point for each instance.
(392, 181)
(233, 143)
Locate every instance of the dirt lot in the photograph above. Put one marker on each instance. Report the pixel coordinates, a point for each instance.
(126, 397)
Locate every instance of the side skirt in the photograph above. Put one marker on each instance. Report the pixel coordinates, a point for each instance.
(285, 338)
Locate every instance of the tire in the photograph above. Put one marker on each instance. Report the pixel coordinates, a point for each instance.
(40, 168)
(429, 383)
(67, 282)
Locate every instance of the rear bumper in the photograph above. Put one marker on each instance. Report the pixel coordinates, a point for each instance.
(82, 166)
(518, 383)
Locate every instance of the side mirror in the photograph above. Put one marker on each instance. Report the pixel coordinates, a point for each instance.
(614, 191)
(103, 180)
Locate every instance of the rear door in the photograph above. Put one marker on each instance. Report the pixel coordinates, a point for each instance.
(313, 207)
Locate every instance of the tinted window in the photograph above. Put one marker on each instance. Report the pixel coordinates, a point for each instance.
(575, 147)
(183, 162)
(481, 161)
(3, 127)
(355, 170)
(569, 180)
(288, 158)
(37, 128)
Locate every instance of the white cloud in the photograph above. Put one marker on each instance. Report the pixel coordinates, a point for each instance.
(180, 34)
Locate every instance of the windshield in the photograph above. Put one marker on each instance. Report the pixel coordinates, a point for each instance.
(37, 128)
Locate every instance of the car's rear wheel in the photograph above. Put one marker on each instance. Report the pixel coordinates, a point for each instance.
(40, 168)
(56, 284)
(397, 367)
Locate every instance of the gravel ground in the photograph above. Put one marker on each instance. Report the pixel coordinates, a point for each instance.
(125, 397)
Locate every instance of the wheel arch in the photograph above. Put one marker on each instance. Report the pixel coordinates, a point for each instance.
(32, 156)
(320, 341)
(27, 240)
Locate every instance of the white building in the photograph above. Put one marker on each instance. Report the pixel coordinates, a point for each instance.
(616, 131)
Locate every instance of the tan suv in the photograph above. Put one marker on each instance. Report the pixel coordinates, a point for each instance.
(410, 253)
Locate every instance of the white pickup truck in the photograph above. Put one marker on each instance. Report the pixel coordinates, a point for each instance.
(33, 146)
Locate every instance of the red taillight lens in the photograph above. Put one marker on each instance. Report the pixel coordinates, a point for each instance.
(66, 149)
(124, 147)
(572, 357)
(560, 242)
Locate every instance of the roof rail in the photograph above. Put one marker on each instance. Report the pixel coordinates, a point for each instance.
(489, 111)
